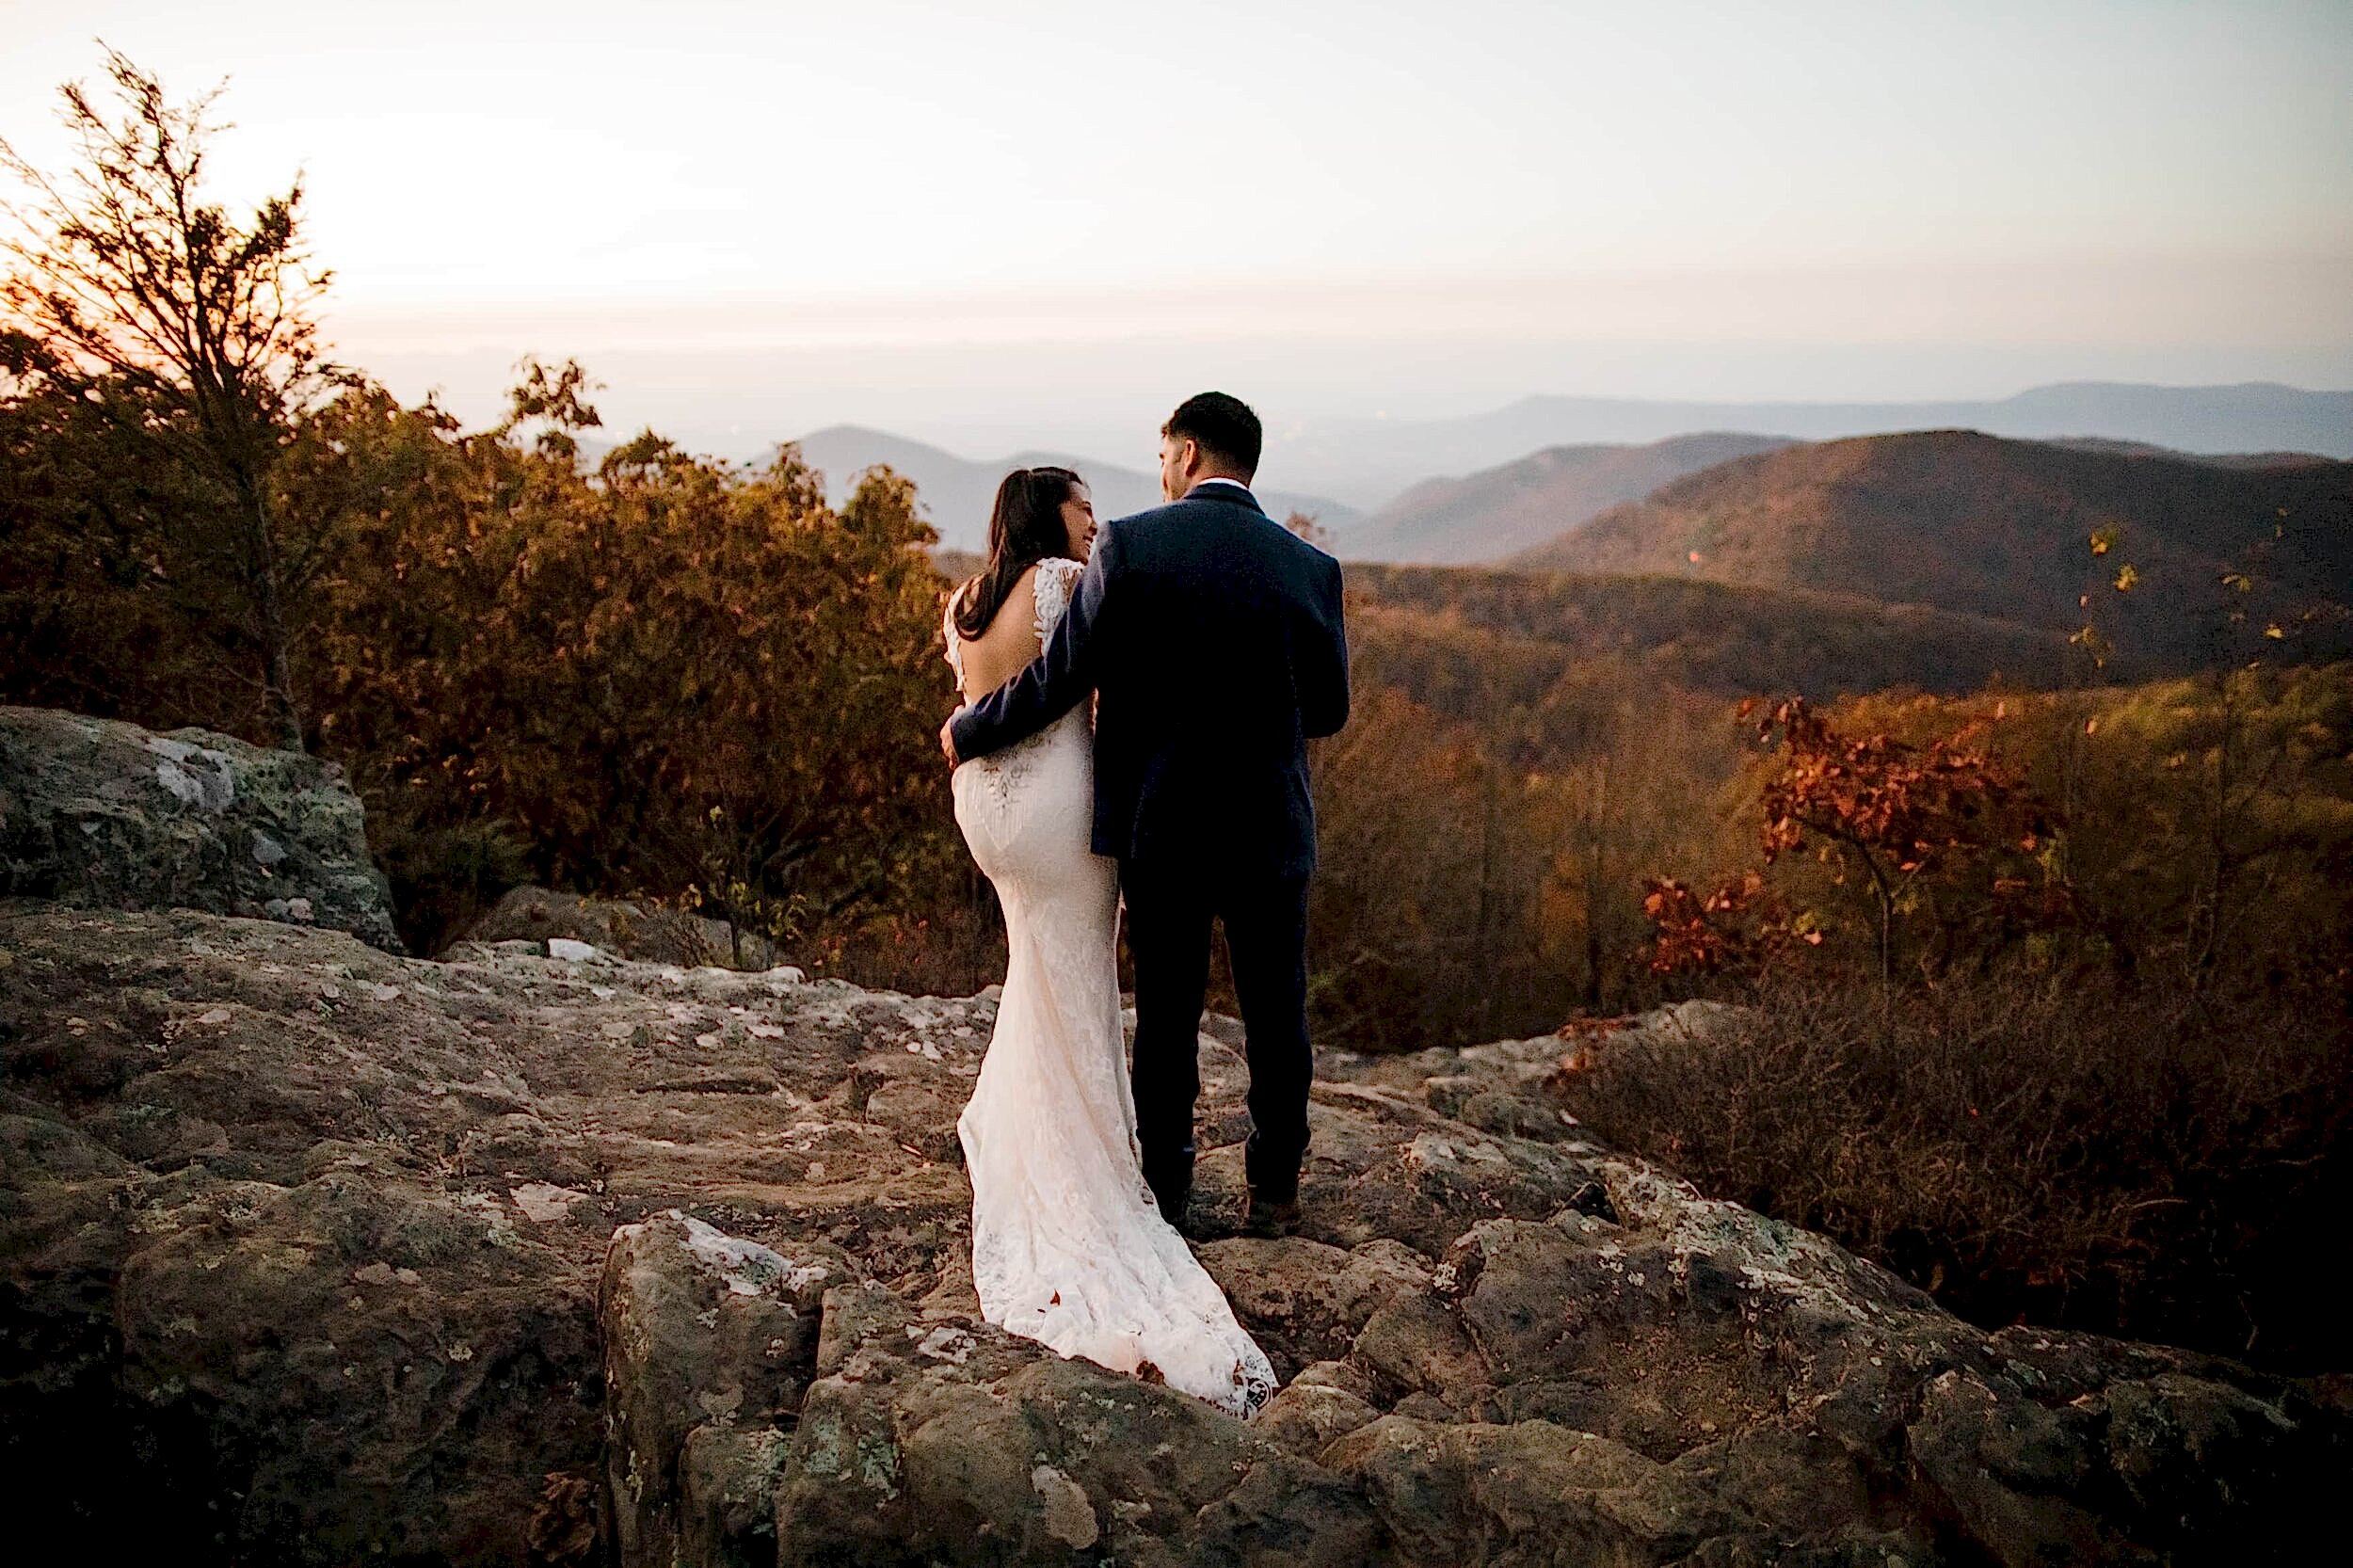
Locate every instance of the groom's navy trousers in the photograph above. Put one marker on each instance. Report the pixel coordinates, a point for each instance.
(1214, 639)
(1169, 911)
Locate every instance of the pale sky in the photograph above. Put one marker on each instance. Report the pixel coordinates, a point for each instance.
(966, 222)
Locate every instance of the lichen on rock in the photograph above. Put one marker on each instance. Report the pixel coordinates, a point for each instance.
(100, 813)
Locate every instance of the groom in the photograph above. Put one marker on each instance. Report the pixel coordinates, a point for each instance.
(1212, 637)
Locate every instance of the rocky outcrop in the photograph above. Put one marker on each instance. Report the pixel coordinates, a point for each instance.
(617, 929)
(345, 1257)
(709, 1344)
(98, 812)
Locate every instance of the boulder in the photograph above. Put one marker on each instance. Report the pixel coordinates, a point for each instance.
(98, 812)
(376, 1369)
(951, 1442)
(709, 1341)
(1306, 1300)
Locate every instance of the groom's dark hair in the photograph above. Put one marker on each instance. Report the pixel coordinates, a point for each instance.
(1222, 426)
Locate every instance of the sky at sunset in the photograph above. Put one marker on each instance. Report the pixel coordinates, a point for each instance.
(1027, 223)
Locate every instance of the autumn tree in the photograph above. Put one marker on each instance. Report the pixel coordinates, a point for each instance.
(1898, 811)
(1741, 928)
(141, 311)
(98, 613)
(1895, 812)
(666, 676)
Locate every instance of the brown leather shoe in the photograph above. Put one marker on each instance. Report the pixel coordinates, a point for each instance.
(1270, 1217)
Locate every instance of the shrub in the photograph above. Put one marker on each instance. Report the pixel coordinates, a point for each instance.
(2135, 1162)
(667, 678)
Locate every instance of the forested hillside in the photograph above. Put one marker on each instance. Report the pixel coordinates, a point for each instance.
(1710, 636)
(2018, 530)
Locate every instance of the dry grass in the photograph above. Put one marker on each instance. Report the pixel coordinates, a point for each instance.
(2123, 1162)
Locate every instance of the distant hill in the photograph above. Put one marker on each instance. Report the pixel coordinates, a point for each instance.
(2216, 459)
(1500, 511)
(956, 492)
(1971, 522)
(1368, 461)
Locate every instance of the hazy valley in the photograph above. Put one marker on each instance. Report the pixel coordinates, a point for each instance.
(956, 492)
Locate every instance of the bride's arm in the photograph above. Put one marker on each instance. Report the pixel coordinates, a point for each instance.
(1053, 683)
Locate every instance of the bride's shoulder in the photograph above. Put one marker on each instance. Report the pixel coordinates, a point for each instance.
(1050, 594)
(1044, 567)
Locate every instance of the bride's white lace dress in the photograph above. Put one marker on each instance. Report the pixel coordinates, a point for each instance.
(1068, 1247)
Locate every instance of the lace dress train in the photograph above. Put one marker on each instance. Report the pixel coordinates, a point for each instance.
(1068, 1247)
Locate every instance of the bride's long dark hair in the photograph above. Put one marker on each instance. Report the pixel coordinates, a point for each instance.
(1024, 527)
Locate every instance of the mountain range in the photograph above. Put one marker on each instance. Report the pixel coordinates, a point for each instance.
(957, 492)
(1972, 524)
(1928, 522)
(1367, 462)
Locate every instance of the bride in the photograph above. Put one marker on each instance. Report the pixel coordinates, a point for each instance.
(1068, 1245)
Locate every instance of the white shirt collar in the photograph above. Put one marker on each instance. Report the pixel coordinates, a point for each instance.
(1221, 479)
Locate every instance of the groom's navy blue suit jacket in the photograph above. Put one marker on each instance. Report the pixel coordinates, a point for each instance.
(1213, 635)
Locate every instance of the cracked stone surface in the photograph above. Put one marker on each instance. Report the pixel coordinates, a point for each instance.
(314, 1252)
(515, 1259)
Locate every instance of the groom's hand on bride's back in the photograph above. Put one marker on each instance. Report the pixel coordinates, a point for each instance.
(947, 739)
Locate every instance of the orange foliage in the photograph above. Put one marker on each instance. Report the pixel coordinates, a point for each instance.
(1894, 803)
(668, 677)
(1902, 812)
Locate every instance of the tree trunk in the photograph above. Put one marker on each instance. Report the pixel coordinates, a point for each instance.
(1887, 919)
(1592, 960)
(276, 636)
(2205, 950)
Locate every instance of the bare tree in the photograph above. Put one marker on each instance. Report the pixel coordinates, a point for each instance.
(132, 296)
